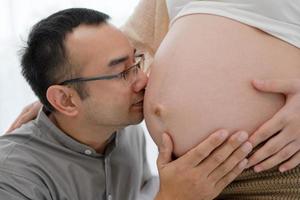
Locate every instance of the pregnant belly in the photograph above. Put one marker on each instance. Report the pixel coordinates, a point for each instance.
(201, 76)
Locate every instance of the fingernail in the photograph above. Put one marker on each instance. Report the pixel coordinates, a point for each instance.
(258, 169)
(243, 136)
(282, 169)
(259, 82)
(223, 134)
(243, 164)
(247, 147)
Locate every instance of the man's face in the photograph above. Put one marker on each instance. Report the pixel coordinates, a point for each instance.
(104, 50)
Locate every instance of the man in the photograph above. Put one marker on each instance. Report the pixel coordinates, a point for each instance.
(82, 144)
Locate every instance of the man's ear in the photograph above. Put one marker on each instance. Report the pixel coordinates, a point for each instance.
(65, 100)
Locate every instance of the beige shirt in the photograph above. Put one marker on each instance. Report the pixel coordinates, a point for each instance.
(147, 27)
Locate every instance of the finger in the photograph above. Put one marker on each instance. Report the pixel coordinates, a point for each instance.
(231, 162)
(165, 151)
(193, 157)
(18, 122)
(223, 152)
(268, 129)
(28, 113)
(293, 162)
(279, 157)
(273, 146)
(26, 117)
(228, 178)
(289, 86)
(12, 127)
(31, 107)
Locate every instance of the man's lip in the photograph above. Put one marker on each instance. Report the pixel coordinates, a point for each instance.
(139, 103)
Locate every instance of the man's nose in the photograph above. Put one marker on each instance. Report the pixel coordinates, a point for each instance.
(140, 82)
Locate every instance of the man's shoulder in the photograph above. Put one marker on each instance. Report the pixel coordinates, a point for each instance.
(17, 186)
(19, 150)
(25, 131)
(20, 138)
(18, 162)
(20, 168)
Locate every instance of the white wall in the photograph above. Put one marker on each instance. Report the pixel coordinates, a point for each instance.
(16, 19)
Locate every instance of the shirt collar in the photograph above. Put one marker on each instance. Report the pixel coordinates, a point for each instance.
(65, 140)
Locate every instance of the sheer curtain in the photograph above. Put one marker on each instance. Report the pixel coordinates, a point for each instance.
(16, 19)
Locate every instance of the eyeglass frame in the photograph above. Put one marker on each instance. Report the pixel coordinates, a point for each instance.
(106, 77)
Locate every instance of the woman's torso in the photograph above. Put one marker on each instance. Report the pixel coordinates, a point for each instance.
(201, 78)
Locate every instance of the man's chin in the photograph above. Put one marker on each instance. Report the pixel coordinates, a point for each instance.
(138, 118)
(137, 108)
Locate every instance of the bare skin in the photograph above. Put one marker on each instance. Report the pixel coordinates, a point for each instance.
(195, 84)
(205, 170)
(286, 122)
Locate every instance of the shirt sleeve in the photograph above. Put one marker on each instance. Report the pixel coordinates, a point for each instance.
(151, 183)
(147, 26)
(16, 187)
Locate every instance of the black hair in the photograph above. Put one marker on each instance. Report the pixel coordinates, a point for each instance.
(44, 60)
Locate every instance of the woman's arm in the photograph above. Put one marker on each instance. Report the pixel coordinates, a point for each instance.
(147, 26)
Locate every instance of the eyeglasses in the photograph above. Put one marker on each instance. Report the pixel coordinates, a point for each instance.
(128, 75)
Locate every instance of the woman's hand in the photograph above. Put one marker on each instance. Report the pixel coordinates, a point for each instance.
(282, 131)
(28, 113)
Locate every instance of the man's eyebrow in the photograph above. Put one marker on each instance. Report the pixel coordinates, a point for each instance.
(117, 61)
